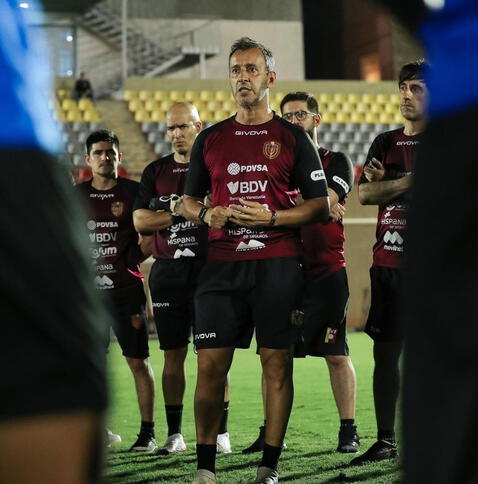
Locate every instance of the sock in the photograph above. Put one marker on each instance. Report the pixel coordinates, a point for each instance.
(174, 414)
(147, 428)
(347, 421)
(225, 414)
(388, 435)
(270, 456)
(206, 454)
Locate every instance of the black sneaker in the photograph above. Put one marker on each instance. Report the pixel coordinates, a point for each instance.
(258, 444)
(381, 450)
(144, 443)
(349, 440)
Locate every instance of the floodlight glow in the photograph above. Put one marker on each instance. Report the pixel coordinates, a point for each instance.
(23, 5)
(69, 38)
(435, 4)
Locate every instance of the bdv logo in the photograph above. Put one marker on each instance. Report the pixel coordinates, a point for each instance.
(247, 186)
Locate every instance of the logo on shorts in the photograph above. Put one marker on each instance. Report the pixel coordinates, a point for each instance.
(205, 336)
(102, 281)
(271, 149)
(160, 305)
(251, 245)
(331, 335)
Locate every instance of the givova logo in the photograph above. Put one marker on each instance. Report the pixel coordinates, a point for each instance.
(392, 238)
(247, 186)
(251, 245)
(205, 336)
(184, 253)
(102, 281)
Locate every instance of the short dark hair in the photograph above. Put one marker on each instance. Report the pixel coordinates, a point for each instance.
(101, 135)
(413, 71)
(312, 104)
(246, 43)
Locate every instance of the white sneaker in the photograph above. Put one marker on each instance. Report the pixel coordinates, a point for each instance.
(112, 438)
(223, 445)
(266, 475)
(203, 476)
(174, 443)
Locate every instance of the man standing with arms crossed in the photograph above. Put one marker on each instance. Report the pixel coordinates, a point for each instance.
(253, 277)
(115, 254)
(179, 250)
(326, 294)
(386, 182)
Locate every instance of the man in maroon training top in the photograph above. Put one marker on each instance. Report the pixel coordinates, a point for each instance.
(386, 182)
(326, 293)
(252, 279)
(115, 255)
(179, 250)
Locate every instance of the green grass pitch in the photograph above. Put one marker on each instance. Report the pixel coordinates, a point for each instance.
(311, 436)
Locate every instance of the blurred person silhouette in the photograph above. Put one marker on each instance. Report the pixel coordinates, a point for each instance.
(83, 88)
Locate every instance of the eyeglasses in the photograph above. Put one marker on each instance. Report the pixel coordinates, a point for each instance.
(299, 115)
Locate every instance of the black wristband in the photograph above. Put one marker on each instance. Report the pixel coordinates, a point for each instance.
(273, 218)
(202, 214)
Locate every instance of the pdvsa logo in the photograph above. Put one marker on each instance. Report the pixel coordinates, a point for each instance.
(235, 168)
(247, 186)
(93, 224)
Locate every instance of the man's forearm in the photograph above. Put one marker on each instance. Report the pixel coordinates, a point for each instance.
(311, 211)
(146, 220)
(381, 192)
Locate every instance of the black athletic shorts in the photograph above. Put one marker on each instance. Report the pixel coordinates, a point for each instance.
(384, 321)
(172, 284)
(324, 304)
(128, 310)
(234, 298)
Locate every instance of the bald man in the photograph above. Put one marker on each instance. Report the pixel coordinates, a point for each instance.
(179, 248)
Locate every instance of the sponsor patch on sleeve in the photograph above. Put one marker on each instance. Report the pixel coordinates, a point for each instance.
(317, 175)
(341, 182)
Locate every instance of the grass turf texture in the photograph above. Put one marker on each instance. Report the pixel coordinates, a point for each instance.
(311, 436)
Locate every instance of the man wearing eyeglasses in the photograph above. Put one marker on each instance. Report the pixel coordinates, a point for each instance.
(326, 292)
(179, 249)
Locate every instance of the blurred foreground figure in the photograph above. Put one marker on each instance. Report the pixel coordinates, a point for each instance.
(52, 377)
(441, 265)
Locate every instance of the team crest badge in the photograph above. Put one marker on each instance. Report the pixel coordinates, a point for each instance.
(331, 335)
(117, 209)
(271, 149)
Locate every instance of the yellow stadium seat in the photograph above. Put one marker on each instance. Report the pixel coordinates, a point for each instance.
(206, 95)
(161, 95)
(390, 108)
(165, 105)
(371, 118)
(376, 108)
(59, 115)
(395, 98)
(206, 116)
(353, 98)
(151, 105)
(219, 115)
(91, 116)
(324, 98)
(342, 117)
(397, 117)
(229, 106)
(368, 98)
(158, 116)
(361, 107)
(340, 97)
(328, 117)
(383, 98)
(278, 96)
(213, 105)
(347, 107)
(176, 95)
(74, 116)
(357, 117)
(129, 94)
(84, 104)
(332, 107)
(67, 104)
(142, 116)
(62, 94)
(145, 94)
(135, 105)
(223, 96)
(191, 96)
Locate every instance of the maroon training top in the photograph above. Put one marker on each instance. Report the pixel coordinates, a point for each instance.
(114, 251)
(397, 152)
(183, 239)
(261, 163)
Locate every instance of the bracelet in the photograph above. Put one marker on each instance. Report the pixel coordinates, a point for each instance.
(272, 221)
(202, 214)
